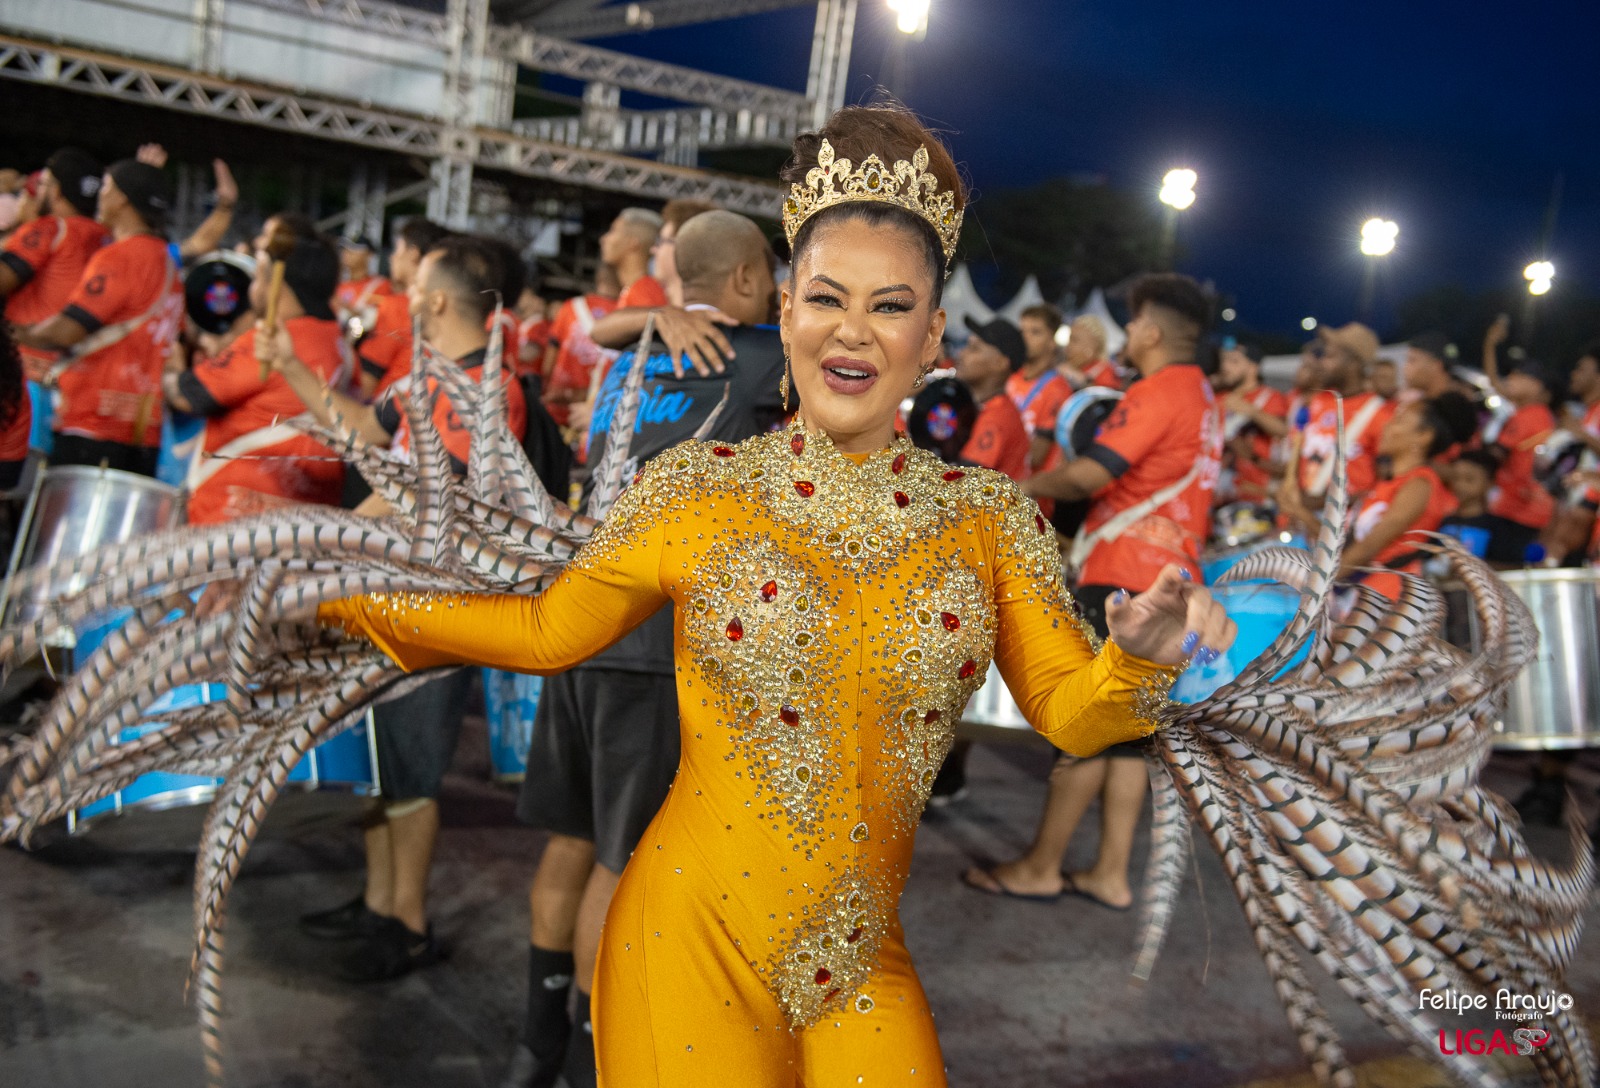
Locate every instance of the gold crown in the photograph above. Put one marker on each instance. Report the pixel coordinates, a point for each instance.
(906, 185)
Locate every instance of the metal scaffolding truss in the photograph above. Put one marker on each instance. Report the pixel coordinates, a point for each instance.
(643, 132)
(543, 53)
(653, 15)
(155, 85)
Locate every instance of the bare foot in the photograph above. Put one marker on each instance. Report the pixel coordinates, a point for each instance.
(1011, 878)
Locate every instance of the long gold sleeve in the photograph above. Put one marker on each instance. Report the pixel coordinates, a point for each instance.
(611, 586)
(1082, 700)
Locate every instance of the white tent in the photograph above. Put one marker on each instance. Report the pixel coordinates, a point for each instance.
(1096, 307)
(961, 301)
(1028, 295)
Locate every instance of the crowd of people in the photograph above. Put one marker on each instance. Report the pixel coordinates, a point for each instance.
(1195, 439)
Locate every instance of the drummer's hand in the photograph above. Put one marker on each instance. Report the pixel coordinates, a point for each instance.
(693, 335)
(274, 349)
(1171, 622)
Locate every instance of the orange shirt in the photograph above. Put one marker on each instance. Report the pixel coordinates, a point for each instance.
(356, 294)
(385, 351)
(1441, 504)
(1166, 427)
(533, 336)
(1039, 400)
(1103, 372)
(114, 394)
(644, 291)
(1320, 441)
(457, 440)
(1591, 426)
(999, 440)
(278, 467)
(576, 354)
(1517, 496)
(48, 256)
(1252, 481)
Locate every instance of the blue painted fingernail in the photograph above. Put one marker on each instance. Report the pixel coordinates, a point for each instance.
(1185, 575)
(1190, 641)
(1206, 655)
(1120, 597)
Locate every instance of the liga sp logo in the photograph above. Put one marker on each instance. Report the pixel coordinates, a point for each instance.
(1523, 1042)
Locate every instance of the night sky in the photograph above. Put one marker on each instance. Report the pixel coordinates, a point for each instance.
(1302, 120)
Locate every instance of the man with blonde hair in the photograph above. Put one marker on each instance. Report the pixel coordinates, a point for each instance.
(1086, 362)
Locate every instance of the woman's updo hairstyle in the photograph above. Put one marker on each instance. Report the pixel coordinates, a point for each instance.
(1452, 418)
(890, 132)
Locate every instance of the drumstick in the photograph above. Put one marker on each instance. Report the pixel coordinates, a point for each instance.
(141, 418)
(279, 244)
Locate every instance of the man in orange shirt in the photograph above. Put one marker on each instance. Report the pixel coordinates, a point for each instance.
(44, 259)
(1037, 389)
(362, 287)
(452, 294)
(385, 351)
(994, 352)
(252, 460)
(1348, 353)
(1257, 415)
(1532, 387)
(1151, 473)
(121, 321)
(1086, 363)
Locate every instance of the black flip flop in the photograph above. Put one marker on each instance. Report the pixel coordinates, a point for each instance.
(1001, 891)
(1070, 887)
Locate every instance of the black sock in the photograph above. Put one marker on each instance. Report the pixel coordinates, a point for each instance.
(579, 1068)
(549, 984)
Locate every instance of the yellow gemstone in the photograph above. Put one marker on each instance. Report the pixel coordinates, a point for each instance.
(802, 774)
(863, 1003)
(802, 603)
(725, 580)
(858, 833)
(803, 639)
(852, 548)
(797, 675)
(748, 702)
(913, 656)
(924, 617)
(833, 540)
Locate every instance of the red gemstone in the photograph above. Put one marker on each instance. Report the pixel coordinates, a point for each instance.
(1038, 519)
(953, 475)
(899, 465)
(855, 935)
(789, 714)
(722, 451)
(901, 499)
(806, 488)
(968, 667)
(637, 476)
(831, 994)
(735, 630)
(824, 976)
(769, 592)
(931, 716)
(951, 623)
(798, 444)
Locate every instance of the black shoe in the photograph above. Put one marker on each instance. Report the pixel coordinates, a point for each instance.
(528, 1070)
(389, 953)
(1542, 802)
(342, 923)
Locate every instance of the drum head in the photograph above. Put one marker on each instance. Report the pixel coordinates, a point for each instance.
(1080, 417)
(942, 417)
(217, 290)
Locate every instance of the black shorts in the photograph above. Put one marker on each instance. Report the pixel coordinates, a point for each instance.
(417, 735)
(604, 753)
(1092, 603)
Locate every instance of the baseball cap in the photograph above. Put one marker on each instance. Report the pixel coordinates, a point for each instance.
(1355, 338)
(146, 189)
(77, 175)
(1003, 335)
(1437, 344)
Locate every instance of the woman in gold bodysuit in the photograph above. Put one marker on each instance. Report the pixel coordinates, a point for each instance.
(838, 595)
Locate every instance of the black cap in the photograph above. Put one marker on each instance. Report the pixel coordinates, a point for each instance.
(77, 175)
(146, 189)
(1003, 335)
(1552, 379)
(1437, 344)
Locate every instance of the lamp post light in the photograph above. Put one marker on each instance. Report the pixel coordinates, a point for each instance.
(1540, 276)
(1377, 240)
(1177, 193)
(911, 17)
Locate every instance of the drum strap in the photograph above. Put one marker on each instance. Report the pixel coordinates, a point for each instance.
(205, 465)
(1352, 434)
(111, 334)
(1124, 520)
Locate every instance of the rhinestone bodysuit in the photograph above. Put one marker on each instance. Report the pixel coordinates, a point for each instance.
(833, 616)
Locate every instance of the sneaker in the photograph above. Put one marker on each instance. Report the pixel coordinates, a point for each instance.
(344, 922)
(390, 952)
